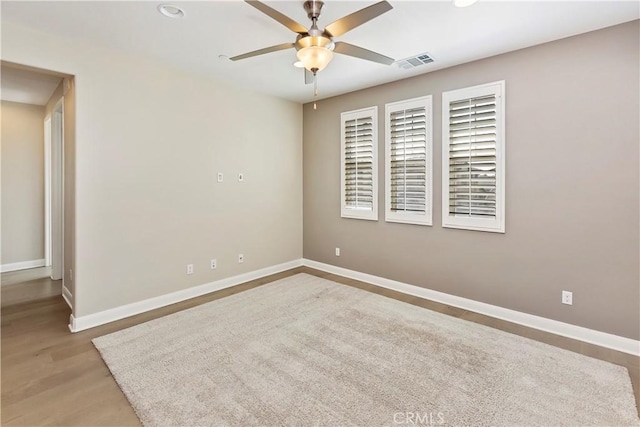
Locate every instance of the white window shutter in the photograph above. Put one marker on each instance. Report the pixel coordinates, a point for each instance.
(473, 158)
(408, 161)
(359, 163)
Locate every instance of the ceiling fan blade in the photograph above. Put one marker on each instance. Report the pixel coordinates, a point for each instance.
(308, 77)
(281, 18)
(358, 18)
(263, 51)
(359, 52)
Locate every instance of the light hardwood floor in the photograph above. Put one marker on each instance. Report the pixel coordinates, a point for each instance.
(21, 276)
(53, 377)
(28, 285)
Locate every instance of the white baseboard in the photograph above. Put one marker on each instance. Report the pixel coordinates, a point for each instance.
(66, 294)
(23, 265)
(81, 323)
(591, 336)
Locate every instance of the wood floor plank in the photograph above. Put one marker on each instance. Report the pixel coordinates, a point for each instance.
(23, 276)
(40, 288)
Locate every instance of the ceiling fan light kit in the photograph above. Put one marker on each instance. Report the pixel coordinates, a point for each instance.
(315, 47)
(315, 58)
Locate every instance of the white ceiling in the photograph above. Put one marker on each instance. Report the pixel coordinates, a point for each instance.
(212, 28)
(25, 86)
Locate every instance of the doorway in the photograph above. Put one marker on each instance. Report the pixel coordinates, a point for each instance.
(38, 230)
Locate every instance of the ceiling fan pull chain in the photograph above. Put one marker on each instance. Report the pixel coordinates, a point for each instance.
(315, 90)
(315, 85)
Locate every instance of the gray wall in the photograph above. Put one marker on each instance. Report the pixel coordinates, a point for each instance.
(22, 182)
(572, 187)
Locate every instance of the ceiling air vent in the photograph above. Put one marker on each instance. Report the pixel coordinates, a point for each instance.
(414, 61)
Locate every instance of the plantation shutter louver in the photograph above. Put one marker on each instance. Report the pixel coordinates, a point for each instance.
(408, 160)
(359, 163)
(473, 158)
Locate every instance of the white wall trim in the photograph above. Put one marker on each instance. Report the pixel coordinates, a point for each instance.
(47, 190)
(56, 182)
(72, 322)
(66, 294)
(92, 320)
(23, 265)
(580, 333)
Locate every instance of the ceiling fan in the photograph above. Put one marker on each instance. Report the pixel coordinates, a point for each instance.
(315, 47)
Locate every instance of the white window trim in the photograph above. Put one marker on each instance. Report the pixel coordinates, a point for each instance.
(496, 225)
(346, 212)
(410, 217)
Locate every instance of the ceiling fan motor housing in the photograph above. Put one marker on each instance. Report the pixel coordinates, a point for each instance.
(314, 36)
(309, 40)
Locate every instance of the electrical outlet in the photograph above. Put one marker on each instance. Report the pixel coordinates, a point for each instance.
(240, 177)
(214, 264)
(567, 297)
(189, 268)
(240, 258)
(220, 177)
(337, 251)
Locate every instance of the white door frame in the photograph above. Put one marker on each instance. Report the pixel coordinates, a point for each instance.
(47, 191)
(54, 190)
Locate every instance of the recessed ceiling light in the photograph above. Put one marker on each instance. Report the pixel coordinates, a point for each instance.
(171, 11)
(463, 3)
(298, 64)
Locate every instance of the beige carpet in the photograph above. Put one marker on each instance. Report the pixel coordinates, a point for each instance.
(305, 351)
